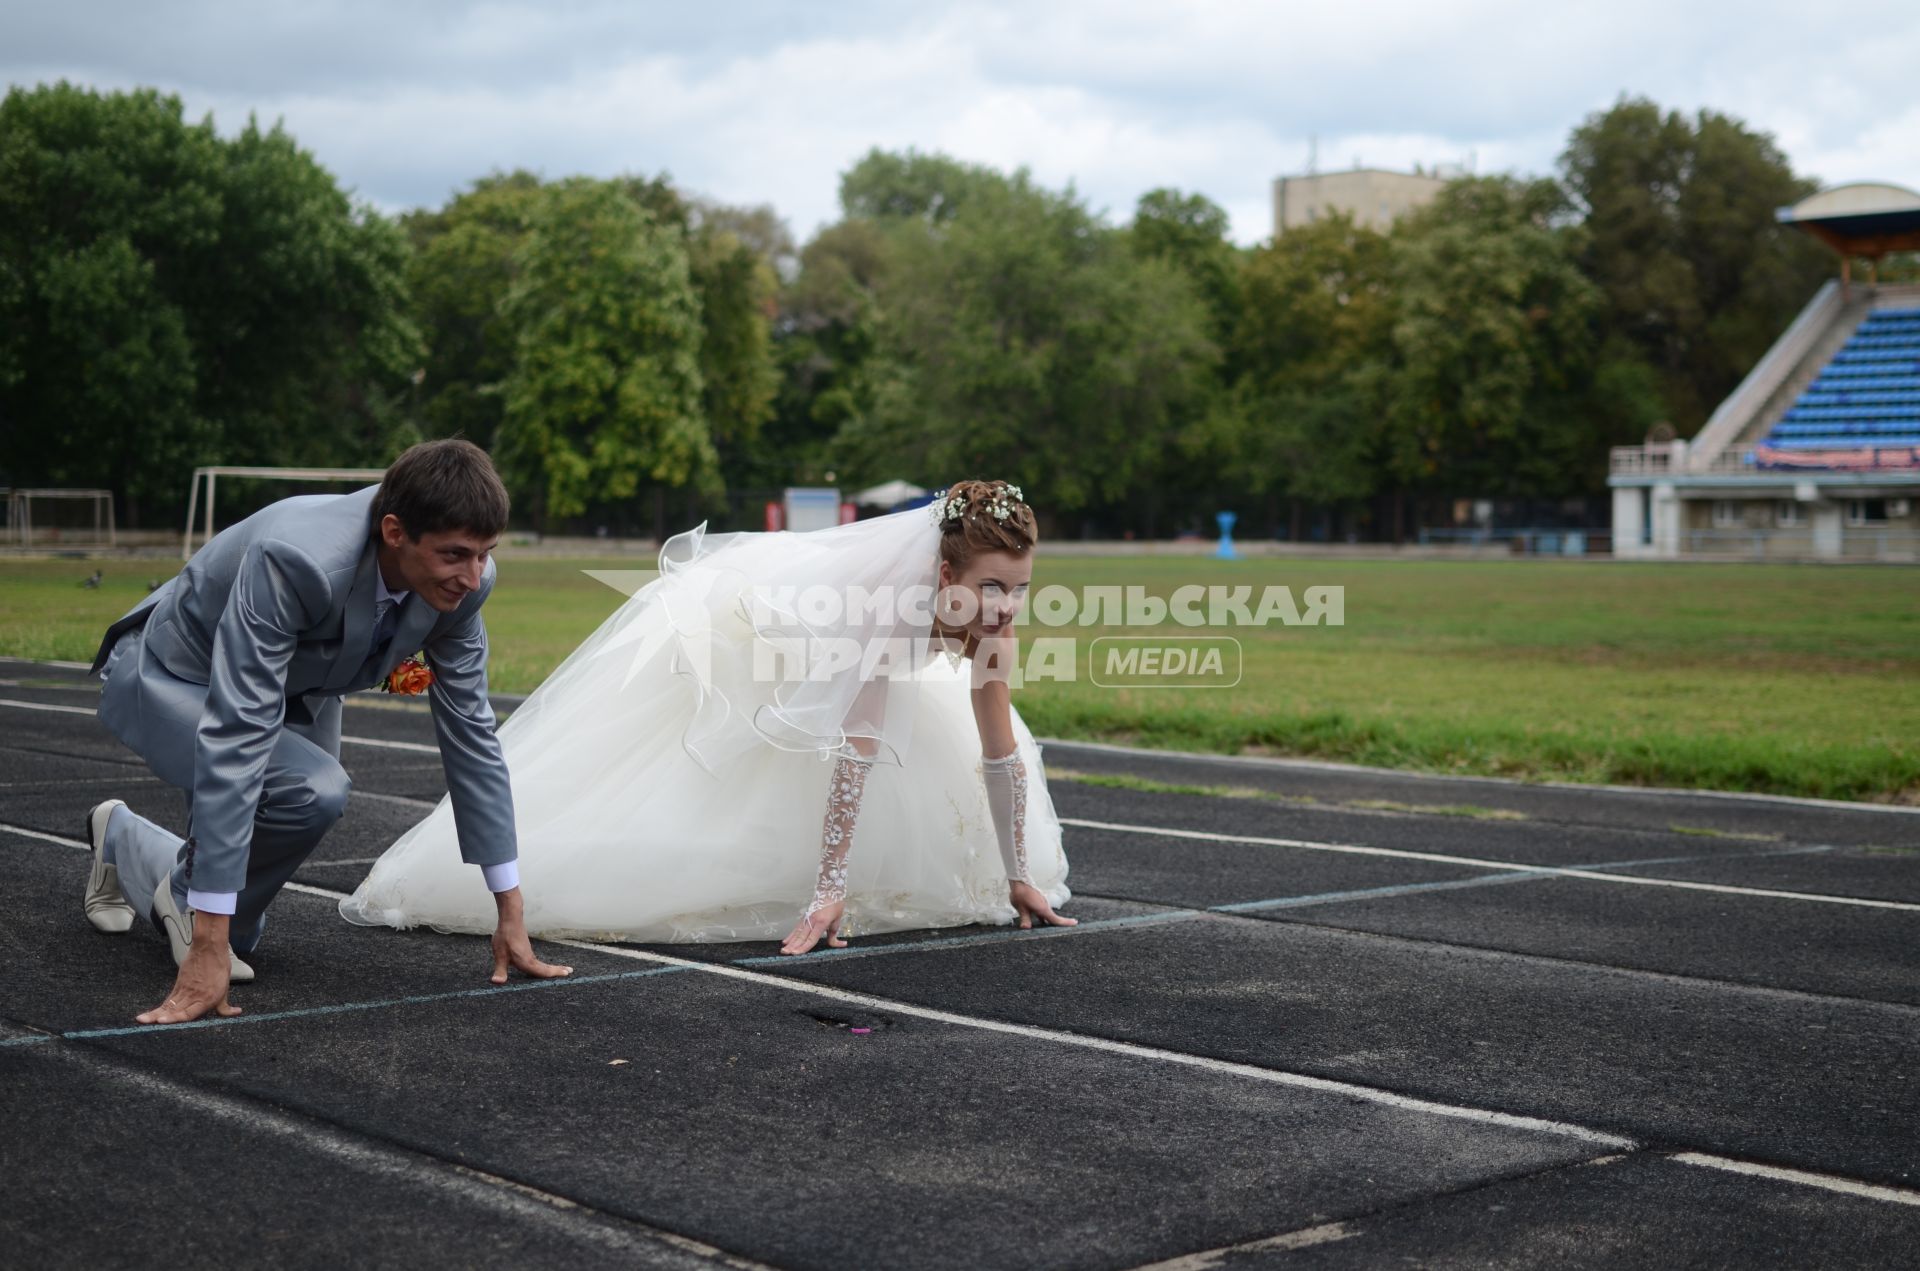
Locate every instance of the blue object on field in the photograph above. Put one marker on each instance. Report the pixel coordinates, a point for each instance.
(1226, 520)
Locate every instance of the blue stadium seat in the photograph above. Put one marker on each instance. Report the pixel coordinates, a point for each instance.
(1866, 397)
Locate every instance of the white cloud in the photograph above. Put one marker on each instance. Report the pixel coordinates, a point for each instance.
(769, 102)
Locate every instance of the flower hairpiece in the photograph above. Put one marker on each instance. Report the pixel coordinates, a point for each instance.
(948, 507)
(1000, 505)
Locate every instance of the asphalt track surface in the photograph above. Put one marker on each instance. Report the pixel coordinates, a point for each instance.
(1332, 1018)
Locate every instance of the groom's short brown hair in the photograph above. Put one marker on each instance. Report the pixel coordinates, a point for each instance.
(440, 486)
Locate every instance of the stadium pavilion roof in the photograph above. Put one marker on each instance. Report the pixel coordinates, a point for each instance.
(1863, 218)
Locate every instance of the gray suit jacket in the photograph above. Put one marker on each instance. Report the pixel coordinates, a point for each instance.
(275, 614)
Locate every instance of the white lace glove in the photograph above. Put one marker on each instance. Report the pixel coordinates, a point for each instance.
(844, 791)
(1006, 779)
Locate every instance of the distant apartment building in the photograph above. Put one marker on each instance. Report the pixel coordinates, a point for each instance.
(1373, 197)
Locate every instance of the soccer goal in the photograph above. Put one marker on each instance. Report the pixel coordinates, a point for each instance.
(74, 516)
(211, 475)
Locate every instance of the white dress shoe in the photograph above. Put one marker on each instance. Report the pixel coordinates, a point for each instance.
(106, 906)
(179, 928)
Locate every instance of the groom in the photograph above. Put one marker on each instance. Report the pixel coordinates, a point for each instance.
(228, 681)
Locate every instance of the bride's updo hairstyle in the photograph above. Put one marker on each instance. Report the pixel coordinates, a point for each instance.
(983, 516)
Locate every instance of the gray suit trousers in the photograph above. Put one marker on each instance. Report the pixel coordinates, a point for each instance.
(303, 794)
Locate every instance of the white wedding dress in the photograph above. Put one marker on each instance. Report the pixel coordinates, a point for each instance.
(665, 792)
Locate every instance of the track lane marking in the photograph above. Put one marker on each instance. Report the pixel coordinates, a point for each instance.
(1284, 763)
(1801, 1178)
(1477, 862)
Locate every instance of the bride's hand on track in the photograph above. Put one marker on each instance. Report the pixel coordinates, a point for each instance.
(1030, 904)
(824, 921)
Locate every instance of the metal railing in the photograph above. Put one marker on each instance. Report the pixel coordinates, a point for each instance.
(1657, 460)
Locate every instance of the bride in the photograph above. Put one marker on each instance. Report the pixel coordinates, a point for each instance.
(783, 723)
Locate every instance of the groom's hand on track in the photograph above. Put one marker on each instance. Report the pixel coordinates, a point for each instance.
(201, 985)
(511, 948)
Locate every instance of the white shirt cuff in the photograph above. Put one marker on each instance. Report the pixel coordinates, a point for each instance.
(502, 877)
(213, 902)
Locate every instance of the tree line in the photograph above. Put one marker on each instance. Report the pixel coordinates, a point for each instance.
(633, 354)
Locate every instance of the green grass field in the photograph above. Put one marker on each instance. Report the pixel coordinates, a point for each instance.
(1783, 679)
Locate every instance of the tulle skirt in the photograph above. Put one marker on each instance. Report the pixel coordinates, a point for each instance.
(624, 835)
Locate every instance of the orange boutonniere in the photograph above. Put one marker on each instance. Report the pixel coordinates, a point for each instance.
(411, 677)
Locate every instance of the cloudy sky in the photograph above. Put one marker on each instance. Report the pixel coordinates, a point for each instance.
(753, 101)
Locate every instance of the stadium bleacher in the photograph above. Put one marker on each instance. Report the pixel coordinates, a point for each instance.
(1862, 412)
(1815, 455)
